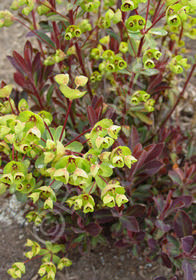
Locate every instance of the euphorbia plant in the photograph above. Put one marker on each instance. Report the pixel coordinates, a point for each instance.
(104, 154)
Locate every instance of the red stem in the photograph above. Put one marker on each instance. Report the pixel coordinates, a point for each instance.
(91, 187)
(56, 34)
(65, 122)
(35, 27)
(49, 131)
(103, 179)
(179, 97)
(129, 38)
(147, 12)
(76, 138)
(83, 68)
(161, 16)
(53, 9)
(12, 151)
(131, 83)
(155, 13)
(51, 183)
(11, 105)
(34, 33)
(140, 46)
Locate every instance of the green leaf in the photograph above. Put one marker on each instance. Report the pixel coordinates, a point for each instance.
(21, 197)
(56, 185)
(40, 162)
(71, 93)
(49, 94)
(58, 18)
(57, 248)
(43, 37)
(150, 72)
(100, 182)
(135, 35)
(62, 79)
(158, 31)
(57, 133)
(6, 91)
(113, 34)
(75, 147)
(144, 118)
(34, 196)
(20, 266)
(132, 47)
(48, 204)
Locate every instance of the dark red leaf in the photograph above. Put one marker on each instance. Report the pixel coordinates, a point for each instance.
(188, 270)
(3, 84)
(93, 229)
(193, 252)
(159, 201)
(130, 223)
(80, 222)
(166, 261)
(162, 226)
(15, 64)
(182, 224)
(185, 200)
(137, 150)
(91, 115)
(175, 177)
(160, 278)
(103, 216)
(136, 210)
(121, 243)
(47, 72)
(37, 62)
(152, 243)
(99, 112)
(28, 52)
(139, 236)
(77, 230)
(19, 79)
(152, 167)
(154, 152)
(138, 164)
(133, 140)
(187, 243)
(21, 62)
(190, 171)
(98, 103)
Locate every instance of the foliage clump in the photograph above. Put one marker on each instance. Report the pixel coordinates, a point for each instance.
(83, 139)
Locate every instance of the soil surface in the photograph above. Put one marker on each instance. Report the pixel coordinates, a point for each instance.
(106, 262)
